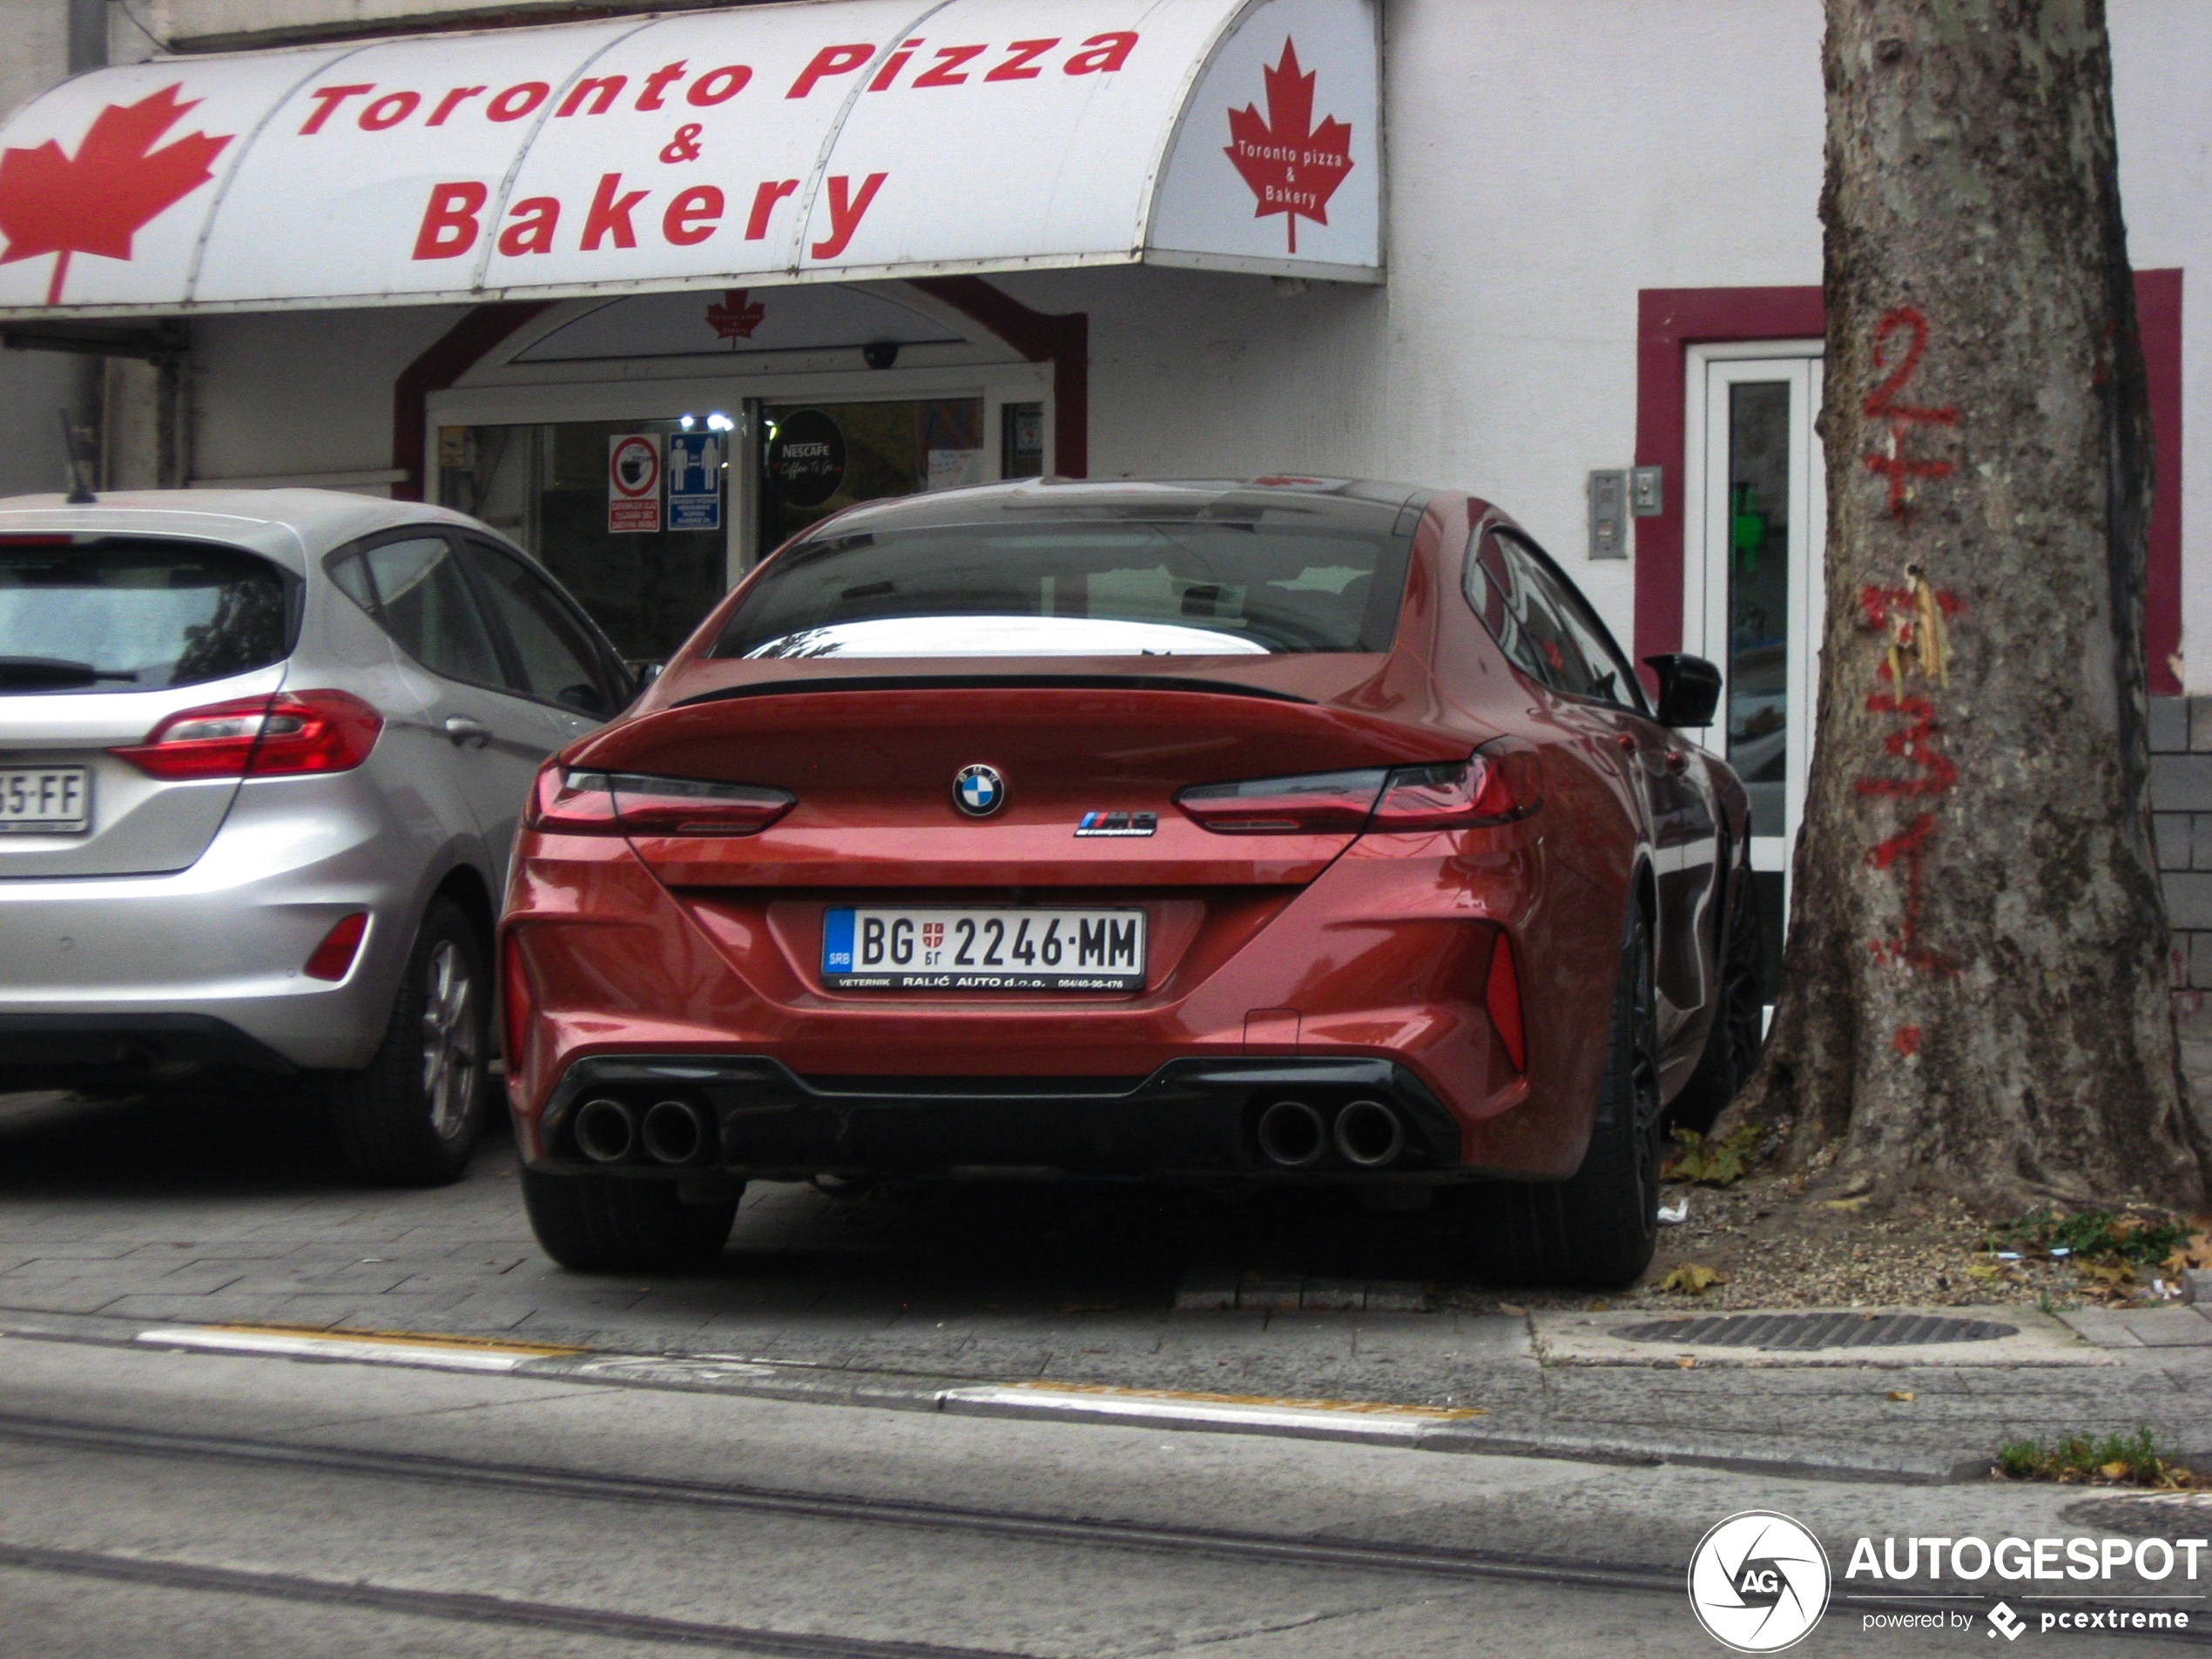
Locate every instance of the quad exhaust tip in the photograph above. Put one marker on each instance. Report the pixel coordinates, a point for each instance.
(1369, 1134)
(606, 1130)
(674, 1131)
(1292, 1134)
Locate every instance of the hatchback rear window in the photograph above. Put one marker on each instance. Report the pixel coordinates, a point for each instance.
(114, 614)
(1122, 588)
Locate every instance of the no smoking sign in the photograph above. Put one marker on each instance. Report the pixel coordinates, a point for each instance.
(633, 483)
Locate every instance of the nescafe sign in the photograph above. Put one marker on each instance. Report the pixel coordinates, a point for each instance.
(806, 458)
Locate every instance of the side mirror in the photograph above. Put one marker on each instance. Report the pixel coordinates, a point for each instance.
(1690, 689)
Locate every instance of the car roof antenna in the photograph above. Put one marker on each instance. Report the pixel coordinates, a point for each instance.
(80, 494)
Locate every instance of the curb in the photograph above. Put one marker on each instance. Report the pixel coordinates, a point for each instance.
(1466, 1431)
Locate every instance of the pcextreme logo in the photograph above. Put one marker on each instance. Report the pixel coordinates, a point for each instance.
(1759, 1581)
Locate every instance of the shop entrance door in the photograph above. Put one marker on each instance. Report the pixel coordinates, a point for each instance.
(1758, 508)
(818, 457)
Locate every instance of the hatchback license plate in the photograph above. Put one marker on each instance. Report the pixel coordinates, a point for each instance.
(45, 800)
(903, 948)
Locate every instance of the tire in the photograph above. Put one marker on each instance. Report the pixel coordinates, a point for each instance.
(1598, 1227)
(595, 1223)
(1732, 1046)
(412, 1115)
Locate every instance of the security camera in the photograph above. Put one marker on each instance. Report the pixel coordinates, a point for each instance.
(880, 353)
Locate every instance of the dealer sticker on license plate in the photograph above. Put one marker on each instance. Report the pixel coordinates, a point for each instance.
(902, 948)
(45, 800)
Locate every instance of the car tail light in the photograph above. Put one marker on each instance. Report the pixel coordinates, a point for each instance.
(287, 735)
(627, 803)
(1501, 995)
(333, 958)
(1323, 803)
(1501, 782)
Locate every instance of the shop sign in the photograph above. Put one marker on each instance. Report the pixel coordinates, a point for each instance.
(729, 150)
(695, 481)
(633, 483)
(806, 458)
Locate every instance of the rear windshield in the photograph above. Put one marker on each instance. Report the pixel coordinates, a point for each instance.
(1120, 588)
(117, 615)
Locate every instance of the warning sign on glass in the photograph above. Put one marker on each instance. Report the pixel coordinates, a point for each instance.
(633, 483)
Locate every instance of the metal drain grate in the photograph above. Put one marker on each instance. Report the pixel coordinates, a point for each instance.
(1802, 1330)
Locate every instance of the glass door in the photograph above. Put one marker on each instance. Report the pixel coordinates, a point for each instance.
(1758, 521)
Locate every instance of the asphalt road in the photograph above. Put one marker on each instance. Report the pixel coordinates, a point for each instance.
(160, 1503)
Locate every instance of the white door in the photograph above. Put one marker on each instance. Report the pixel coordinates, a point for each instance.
(1757, 507)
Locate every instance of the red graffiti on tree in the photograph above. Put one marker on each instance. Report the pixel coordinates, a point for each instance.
(1882, 405)
(1915, 617)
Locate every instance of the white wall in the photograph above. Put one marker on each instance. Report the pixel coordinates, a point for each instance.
(1546, 161)
(2162, 55)
(1548, 158)
(303, 391)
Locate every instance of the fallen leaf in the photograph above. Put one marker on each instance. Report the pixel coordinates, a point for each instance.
(1599, 1306)
(2112, 1471)
(1984, 1269)
(1903, 1395)
(1686, 1363)
(1692, 1279)
(1849, 1206)
(1513, 1308)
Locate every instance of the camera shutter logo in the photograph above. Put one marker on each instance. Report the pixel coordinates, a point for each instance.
(1759, 1581)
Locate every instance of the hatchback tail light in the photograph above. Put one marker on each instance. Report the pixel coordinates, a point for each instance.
(334, 956)
(628, 803)
(286, 735)
(1501, 782)
(1322, 803)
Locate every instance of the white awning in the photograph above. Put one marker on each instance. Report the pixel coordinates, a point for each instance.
(831, 141)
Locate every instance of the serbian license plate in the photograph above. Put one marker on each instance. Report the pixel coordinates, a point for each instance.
(45, 800)
(900, 949)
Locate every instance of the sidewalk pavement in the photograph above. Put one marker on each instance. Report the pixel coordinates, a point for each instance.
(892, 1305)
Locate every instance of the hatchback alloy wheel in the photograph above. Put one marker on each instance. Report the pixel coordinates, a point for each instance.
(452, 1056)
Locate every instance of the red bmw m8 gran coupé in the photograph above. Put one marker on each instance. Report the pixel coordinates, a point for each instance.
(1297, 832)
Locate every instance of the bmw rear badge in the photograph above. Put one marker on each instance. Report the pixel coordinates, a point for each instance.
(979, 791)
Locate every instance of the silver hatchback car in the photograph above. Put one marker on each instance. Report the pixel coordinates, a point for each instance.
(261, 756)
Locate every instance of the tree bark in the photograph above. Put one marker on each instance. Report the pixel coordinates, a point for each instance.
(1976, 993)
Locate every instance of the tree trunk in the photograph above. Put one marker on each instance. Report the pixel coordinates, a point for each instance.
(1976, 993)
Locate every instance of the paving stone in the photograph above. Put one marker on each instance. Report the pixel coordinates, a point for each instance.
(2102, 1327)
(1331, 1295)
(2169, 1328)
(1206, 1291)
(1259, 1294)
(2200, 723)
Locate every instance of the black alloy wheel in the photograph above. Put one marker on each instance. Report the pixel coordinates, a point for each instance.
(1598, 1227)
(1739, 1023)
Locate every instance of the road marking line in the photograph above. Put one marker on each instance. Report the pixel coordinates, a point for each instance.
(381, 1347)
(1360, 1419)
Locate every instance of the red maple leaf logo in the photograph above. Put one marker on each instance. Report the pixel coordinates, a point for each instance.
(1291, 165)
(93, 203)
(732, 319)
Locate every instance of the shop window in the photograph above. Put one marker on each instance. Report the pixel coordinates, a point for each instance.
(816, 458)
(1022, 441)
(648, 584)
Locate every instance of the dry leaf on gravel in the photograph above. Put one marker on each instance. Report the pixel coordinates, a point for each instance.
(1692, 1279)
(1903, 1395)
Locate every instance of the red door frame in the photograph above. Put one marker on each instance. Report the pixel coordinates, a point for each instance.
(1671, 320)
